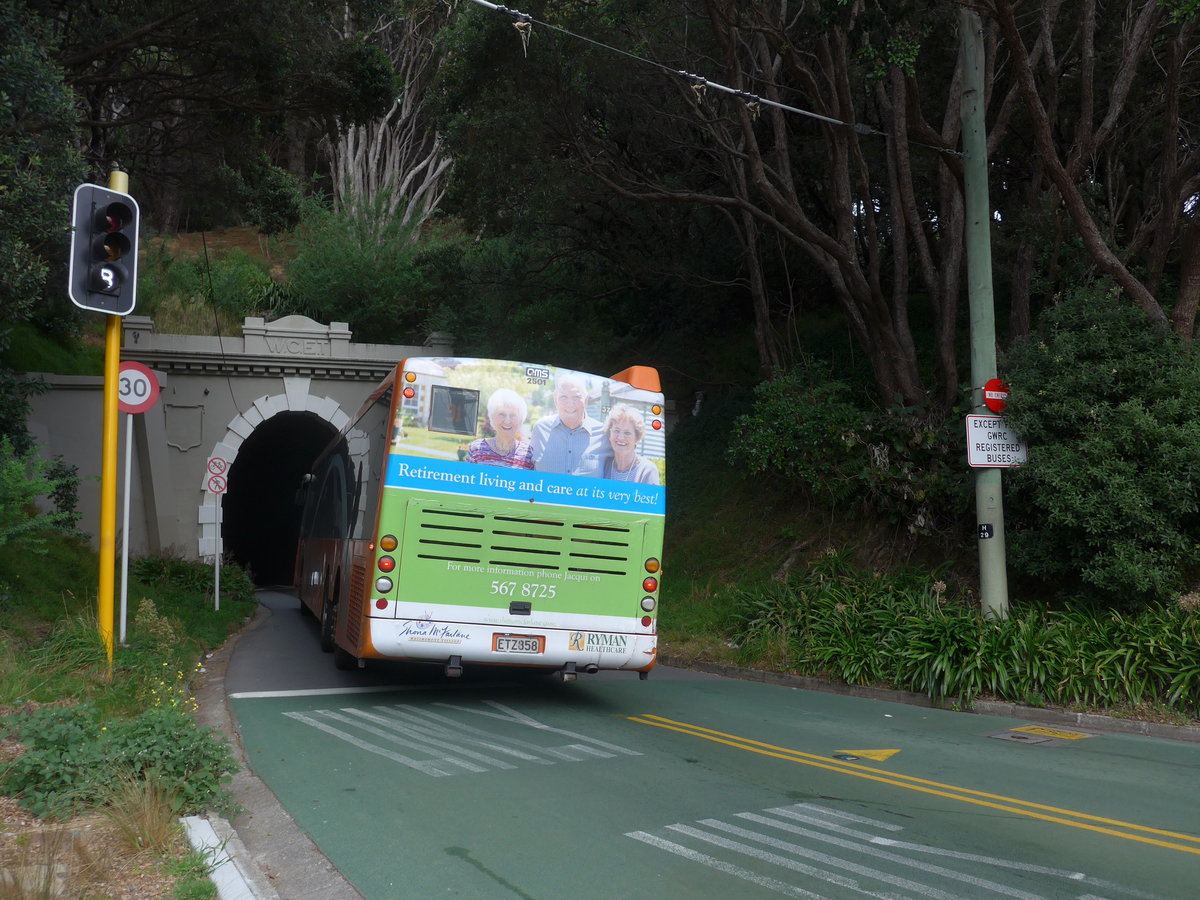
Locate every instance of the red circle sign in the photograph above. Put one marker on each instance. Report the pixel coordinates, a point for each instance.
(995, 395)
(137, 388)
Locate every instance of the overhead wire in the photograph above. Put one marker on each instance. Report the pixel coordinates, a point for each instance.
(212, 302)
(523, 22)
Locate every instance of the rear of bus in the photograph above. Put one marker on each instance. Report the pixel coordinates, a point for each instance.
(478, 559)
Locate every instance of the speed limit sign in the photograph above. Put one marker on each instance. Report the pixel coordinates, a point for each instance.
(137, 388)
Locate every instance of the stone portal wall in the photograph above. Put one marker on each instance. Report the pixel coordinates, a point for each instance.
(214, 392)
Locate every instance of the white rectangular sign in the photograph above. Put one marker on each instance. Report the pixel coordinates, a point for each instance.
(991, 444)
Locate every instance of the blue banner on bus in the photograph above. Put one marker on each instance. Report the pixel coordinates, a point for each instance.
(466, 479)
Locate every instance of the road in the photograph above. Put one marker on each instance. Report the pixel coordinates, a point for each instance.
(685, 785)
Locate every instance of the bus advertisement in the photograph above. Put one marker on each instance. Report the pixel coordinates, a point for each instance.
(482, 511)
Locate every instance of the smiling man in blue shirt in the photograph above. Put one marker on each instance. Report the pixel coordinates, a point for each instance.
(570, 442)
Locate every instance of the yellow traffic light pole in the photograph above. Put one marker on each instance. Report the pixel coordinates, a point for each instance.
(117, 181)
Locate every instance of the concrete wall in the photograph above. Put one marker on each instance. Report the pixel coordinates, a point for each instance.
(214, 392)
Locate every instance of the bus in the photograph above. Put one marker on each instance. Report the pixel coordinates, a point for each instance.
(490, 512)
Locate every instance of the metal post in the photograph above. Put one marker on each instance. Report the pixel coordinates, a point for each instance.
(125, 531)
(117, 181)
(989, 503)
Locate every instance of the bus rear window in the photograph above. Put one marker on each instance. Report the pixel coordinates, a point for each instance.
(453, 410)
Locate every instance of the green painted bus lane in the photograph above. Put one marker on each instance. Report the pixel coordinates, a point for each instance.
(716, 788)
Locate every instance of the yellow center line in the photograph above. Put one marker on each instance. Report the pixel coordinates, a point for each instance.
(965, 795)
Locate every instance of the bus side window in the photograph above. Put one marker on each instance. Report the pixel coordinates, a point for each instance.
(330, 519)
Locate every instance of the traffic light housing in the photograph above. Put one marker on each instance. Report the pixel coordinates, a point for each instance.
(104, 247)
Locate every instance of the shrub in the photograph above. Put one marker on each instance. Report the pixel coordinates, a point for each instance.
(907, 631)
(233, 282)
(902, 462)
(193, 575)
(1109, 497)
(359, 265)
(802, 431)
(71, 758)
(24, 477)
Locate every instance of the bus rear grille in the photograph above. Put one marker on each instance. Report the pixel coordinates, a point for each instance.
(551, 544)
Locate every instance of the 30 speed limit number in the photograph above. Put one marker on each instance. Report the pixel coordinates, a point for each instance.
(137, 388)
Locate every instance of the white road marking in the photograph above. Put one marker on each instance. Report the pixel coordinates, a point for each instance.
(758, 835)
(452, 747)
(721, 866)
(1067, 874)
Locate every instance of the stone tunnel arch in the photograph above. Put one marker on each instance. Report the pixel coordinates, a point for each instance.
(261, 520)
(268, 447)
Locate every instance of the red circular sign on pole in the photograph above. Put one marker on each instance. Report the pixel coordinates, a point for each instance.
(137, 388)
(995, 395)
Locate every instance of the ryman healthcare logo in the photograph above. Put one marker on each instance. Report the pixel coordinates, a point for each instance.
(593, 642)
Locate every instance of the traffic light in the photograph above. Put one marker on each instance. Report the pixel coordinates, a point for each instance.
(104, 247)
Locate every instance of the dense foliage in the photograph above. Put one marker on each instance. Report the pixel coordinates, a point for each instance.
(25, 479)
(909, 631)
(1110, 496)
(72, 756)
(85, 725)
(39, 165)
(902, 463)
(361, 267)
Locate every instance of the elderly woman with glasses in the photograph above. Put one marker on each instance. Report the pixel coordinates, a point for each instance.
(624, 429)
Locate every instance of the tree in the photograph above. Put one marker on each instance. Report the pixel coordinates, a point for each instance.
(171, 91)
(1109, 100)
(399, 156)
(39, 168)
(826, 134)
(1108, 502)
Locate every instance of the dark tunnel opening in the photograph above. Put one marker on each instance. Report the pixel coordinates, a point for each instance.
(261, 521)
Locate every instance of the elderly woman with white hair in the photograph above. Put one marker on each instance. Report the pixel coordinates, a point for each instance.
(624, 429)
(506, 412)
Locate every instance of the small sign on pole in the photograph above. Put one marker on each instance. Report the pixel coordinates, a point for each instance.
(217, 483)
(995, 395)
(991, 444)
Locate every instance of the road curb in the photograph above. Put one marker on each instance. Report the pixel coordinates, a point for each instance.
(1046, 715)
(230, 867)
(277, 858)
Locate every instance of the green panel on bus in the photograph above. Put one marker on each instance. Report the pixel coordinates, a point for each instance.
(491, 554)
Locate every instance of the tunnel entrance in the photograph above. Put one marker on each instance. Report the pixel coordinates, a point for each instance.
(261, 521)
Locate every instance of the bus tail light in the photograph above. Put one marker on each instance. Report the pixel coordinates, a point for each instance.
(383, 584)
(650, 584)
(648, 604)
(388, 543)
(651, 565)
(386, 563)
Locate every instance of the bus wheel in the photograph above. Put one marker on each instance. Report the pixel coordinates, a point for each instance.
(343, 659)
(328, 621)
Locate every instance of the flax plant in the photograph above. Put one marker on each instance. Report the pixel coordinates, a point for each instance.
(911, 631)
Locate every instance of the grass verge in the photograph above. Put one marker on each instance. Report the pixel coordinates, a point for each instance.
(98, 761)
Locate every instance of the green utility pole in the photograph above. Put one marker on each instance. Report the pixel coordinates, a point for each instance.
(989, 503)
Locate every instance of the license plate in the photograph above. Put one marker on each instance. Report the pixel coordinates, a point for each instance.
(518, 643)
